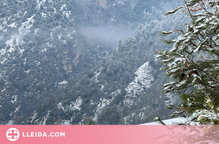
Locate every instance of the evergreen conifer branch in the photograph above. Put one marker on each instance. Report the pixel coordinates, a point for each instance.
(193, 61)
(173, 11)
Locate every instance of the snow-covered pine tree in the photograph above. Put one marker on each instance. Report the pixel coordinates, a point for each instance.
(193, 62)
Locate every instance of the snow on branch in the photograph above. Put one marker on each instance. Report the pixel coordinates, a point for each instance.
(173, 11)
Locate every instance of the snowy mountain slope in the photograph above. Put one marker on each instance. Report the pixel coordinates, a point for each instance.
(142, 81)
(124, 88)
(41, 50)
(49, 71)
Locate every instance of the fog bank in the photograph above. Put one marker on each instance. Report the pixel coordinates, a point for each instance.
(107, 35)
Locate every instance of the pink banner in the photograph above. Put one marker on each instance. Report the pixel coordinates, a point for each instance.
(132, 134)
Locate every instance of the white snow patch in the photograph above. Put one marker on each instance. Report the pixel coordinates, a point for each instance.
(33, 117)
(65, 122)
(96, 76)
(27, 72)
(63, 6)
(10, 122)
(72, 106)
(102, 86)
(44, 50)
(92, 102)
(76, 105)
(168, 121)
(38, 63)
(17, 109)
(4, 60)
(102, 104)
(141, 82)
(121, 2)
(11, 49)
(67, 14)
(45, 119)
(115, 93)
(40, 3)
(17, 39)
(36, 30)
(3, 90)
(25, 13)
(63, 82)
(59, 36)
(21, 51)
(175, 121)
(13, 25)
(55, 11)
(14, 97)
(60, 106)
(43, 15)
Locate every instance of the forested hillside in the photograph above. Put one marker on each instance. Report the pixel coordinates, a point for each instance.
(124, 88)
(66, 61)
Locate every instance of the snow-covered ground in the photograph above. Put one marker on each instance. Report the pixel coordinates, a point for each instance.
(168, 121)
